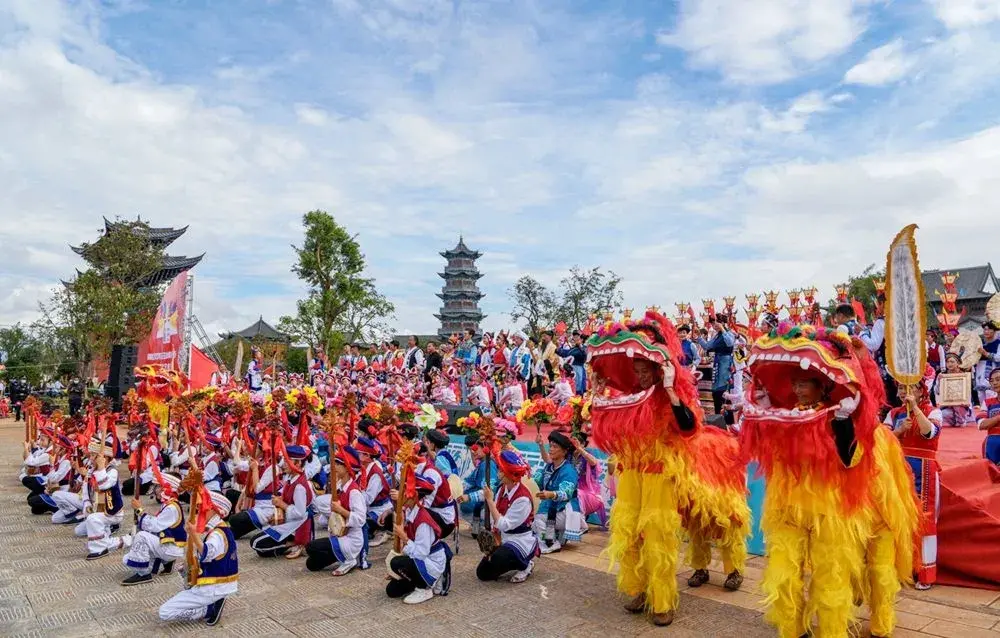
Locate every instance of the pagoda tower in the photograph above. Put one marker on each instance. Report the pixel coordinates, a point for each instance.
(161, 237)
(460, 293)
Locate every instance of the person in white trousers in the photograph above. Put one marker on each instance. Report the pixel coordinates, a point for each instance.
(219, 570)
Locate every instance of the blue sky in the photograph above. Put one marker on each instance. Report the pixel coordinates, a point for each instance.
(699, 147)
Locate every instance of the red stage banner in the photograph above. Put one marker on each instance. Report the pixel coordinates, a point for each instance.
(202, 369)
(164, 344)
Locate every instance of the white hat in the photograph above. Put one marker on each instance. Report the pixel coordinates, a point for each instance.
(95, 447)
(221, 504)
(172, 482)
(519, 334)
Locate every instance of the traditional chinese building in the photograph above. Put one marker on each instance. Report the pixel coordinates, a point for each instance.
(973, 287)
(162, 238)
(460, 293)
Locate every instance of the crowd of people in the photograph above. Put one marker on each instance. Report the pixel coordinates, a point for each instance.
(334, 487)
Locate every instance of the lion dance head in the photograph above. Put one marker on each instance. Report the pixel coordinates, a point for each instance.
(628, 362)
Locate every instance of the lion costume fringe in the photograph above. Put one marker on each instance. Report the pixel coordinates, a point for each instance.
(668, 479)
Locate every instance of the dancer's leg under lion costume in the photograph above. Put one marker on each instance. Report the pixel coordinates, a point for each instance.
(672, 471)
(837, 500)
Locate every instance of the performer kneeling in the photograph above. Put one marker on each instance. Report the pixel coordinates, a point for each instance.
(345, 548)
(262, 507)
(424, 569)
(218, 569)
(512, 514)
(102, 504)
(290, 537)
(160, 538)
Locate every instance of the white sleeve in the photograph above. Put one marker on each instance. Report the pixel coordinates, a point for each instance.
(106, 478)
(215, 546)
(373, 489)
(161, 521)
(297, 509)
(359, 510)
(420, 547)
(516, 515)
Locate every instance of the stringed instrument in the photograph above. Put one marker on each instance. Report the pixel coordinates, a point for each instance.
(192, 483)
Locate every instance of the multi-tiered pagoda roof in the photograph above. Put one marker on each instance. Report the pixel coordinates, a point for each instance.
(162, 238)
(460, 293)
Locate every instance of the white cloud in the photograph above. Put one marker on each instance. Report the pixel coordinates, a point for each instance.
(796, 117)
(766, 41)
(520, 130)
(885, 65)
(311, 115)
(958, 14)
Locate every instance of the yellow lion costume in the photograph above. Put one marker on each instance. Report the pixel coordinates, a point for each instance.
(840, 497)
(672, 471)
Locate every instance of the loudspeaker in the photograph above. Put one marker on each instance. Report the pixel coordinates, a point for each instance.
(121, 372)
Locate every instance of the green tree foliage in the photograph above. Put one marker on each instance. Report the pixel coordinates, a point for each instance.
(21, 354)
(533, 303)
(581, 293)
(296, 360)
(111, 301)
(343, 305)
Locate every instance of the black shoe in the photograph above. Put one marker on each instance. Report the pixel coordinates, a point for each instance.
(115, 528)
(137, 579)
(97, 555)
(168, 567)
(215, 612)
(156, 566)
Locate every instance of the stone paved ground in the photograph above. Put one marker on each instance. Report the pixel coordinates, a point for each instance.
(47, 589)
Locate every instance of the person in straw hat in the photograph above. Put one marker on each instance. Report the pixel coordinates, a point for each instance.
(218, 569)
(103, 505)
(160, 538)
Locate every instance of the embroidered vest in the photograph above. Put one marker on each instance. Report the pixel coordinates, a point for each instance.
(175, 534)
(345, 496)
(376, 469)
(992, 410)
(288, 493)
(505, 501)
(225, 569)
(914, 444)
(107, 501)
(442, 498)
(423, 517)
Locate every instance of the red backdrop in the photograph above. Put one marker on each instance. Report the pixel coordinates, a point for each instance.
(163, 346)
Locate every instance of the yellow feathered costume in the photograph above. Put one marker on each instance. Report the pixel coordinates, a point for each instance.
(668, 478)
(839, 499)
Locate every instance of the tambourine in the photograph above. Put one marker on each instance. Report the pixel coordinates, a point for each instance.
(457, 488)
(533, 489)
(388, 562)
(336, 525)
(966, 345)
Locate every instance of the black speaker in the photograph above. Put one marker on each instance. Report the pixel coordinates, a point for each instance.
(121, 372)
(456, 412)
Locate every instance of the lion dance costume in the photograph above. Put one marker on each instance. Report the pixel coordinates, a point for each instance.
(839, 493)
(670, 475)
(157, 386)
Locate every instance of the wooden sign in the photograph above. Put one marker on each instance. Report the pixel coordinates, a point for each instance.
(955, 389)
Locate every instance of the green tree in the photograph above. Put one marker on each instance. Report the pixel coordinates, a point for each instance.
(21, 354)
(533, 303)
(296, 360)
(111, 302)
(306, 326)
(330, 261)
(367, 318)
(587, 292)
